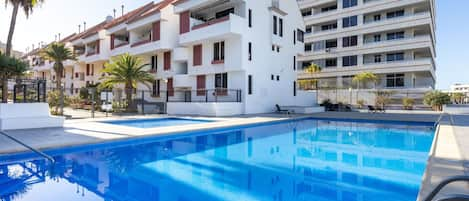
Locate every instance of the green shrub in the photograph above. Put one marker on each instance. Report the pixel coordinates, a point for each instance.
(436, 99)
(408, 103)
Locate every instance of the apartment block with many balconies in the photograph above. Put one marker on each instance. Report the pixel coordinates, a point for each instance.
(394, 39)
(208, 57)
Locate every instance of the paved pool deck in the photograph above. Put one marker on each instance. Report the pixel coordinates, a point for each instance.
(449, 155)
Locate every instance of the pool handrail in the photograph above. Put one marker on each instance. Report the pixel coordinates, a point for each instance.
(445, 182)
(27, 146)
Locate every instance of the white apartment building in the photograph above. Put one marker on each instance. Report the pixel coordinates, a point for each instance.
(461, 88)
(208, 57)
(394, 39)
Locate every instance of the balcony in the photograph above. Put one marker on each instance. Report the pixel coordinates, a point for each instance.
(410, 65)
(180, 54)
(225, 27)
(409, 20)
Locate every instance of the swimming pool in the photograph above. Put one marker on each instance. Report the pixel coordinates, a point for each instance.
(156, 122)
(297, 160)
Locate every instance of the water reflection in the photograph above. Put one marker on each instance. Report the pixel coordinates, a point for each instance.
(306, 160)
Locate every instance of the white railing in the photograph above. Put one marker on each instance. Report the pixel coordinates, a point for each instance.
(372, 42)
(407, 15)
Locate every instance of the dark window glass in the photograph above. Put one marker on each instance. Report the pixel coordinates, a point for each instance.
(219, 51)
(308, 47)
(221, 80)
(250, 84)
(378, 58)
(395, 80)
(280, 23)
(349, 41)
(394, 14)
(349, 21)
(275, 25)
(294, 62)
(349, 60)
(154, 62)
(300, 35)
(294, 88)
(328, 26)
(377, 17)
(250, 17)
(249, 51)
(331, 62)
(329, 8)
(307, 12)
(348, 3)
(377, 38)
(395, 57)
(395, 35)
(331, 43)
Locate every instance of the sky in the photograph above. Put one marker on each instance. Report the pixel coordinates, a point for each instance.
(63, 16)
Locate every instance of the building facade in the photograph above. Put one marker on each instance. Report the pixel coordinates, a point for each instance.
(462, 89)
(207, 57)
(394, 39)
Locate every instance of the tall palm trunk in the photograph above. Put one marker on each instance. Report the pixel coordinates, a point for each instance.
(4, 89)
(59, 73)
(128, 96)
(14, 14)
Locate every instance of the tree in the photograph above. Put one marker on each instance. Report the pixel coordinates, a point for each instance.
(457, 97)
(58, 53)
(383, 98)
(27, 6)
(129, 71)
(10, 67)
(365, 78)
(436, 99)
(309, 83)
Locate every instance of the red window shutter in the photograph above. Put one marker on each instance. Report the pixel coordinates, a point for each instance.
(112, 41)
(200, 85)
(184, 22)
(170, 87)
(97, 46)
(197, 60)
(156, 31)
(87, 69)
(167, 61)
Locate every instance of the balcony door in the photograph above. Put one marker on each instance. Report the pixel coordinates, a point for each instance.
(224, 13)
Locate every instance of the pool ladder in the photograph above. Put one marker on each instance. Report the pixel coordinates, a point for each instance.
(451, 197)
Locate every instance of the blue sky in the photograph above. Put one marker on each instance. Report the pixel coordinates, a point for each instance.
(63, 16)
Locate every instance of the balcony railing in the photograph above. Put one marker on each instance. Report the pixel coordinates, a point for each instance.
(210, 22)
(397, 18)
(140, 42)
(372, 42)
(204, 95)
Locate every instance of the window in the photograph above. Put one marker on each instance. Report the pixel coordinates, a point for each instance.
(278, 77)
(272, 77)
(294, 37)
(349, 3)
(395, 57)
(249, 84)
(320, 45)
(306, 12)
(219, 51)
(280, 26)
(349, 21)
(328, 26)
(377, 38)
(329, 8)
(278, 48)
(221, 83)
(378, 58)
(395, 35)
(294, 62)
(349, 60)
(87, 69)
(197, 55)
(331, 62)
(169, 87)
(154, 63)
(349, 41)
(377, 17)
(308, 47)
(300, 35)
(273, 48)
(294, 88)
(156, 88)
(394, 14)
(249, 51)
(250, 18)
(275, 25)
(395, 80)
(331, 43)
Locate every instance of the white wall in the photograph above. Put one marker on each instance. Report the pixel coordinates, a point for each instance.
(205, 109)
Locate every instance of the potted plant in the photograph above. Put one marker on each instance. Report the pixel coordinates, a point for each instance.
(436, 99)
(408, 103)
(361, 103)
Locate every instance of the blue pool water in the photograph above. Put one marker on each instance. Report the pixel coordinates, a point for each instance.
(159, 122)
(291, 161)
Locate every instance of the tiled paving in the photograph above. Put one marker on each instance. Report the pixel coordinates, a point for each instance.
(450, 155)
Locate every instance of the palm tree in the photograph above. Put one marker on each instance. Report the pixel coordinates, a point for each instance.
(58, 53)
(311, 70)
(10, 67)
(27, 6)
(365, 78)
(128, 70)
